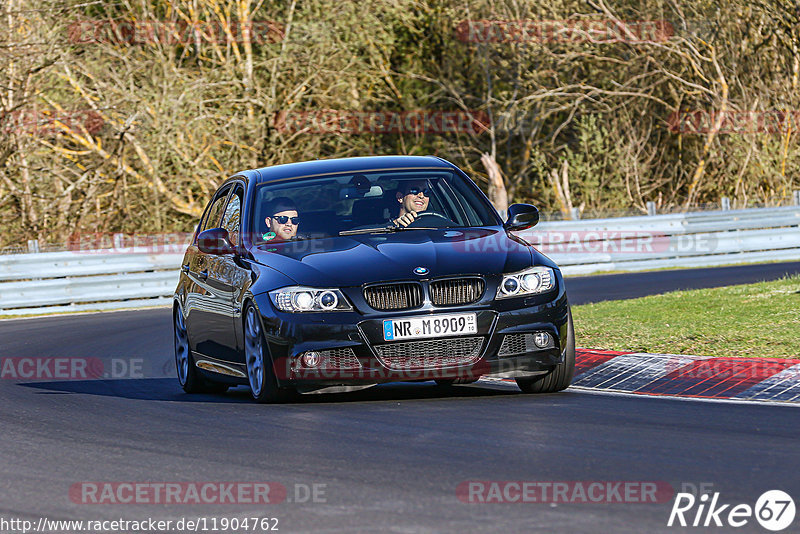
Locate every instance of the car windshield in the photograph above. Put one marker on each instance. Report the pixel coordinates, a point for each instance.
(366, 202)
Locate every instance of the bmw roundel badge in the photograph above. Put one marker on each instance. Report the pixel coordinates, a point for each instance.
(420, 271)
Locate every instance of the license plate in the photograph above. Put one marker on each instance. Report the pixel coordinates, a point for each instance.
(430, 326)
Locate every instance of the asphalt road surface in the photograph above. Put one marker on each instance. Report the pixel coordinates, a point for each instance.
(391, 458)
(585, 289)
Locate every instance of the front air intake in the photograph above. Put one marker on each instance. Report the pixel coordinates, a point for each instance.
(456, 291)
(398, 296)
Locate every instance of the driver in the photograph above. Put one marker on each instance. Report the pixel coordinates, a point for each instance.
(413, 198)
(282, 220)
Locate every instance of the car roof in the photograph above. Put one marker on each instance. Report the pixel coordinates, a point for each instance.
(342, 165)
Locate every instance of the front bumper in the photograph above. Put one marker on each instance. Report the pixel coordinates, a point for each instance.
(359, 336)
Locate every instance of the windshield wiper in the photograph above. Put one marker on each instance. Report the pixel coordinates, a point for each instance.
(373, 230)
(383, 230)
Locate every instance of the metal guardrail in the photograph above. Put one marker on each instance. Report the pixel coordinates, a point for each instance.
(107, 279)
(677, 240)
(85, 280)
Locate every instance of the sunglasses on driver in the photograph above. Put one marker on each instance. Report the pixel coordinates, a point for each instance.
(417, 190)
(283, 219)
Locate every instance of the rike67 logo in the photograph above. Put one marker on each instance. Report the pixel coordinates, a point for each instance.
(774, 510)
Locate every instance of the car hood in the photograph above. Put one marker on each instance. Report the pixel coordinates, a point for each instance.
(348, 261)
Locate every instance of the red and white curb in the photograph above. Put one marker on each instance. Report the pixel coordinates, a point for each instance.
(703, 377)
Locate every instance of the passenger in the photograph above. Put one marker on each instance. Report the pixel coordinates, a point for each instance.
(413, 197)
(283, 221)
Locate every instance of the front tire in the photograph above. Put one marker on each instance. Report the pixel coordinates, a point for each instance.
(559, 378)
(260, 373)
(188, 377)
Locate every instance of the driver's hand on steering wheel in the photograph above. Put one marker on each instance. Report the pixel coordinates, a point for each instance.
(406, 219)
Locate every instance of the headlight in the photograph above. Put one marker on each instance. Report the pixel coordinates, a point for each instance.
(309, 299)
(528, 282)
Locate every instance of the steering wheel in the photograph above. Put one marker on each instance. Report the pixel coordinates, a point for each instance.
(433, 220)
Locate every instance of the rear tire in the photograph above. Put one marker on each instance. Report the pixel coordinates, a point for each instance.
(260, 372)
(188, 377)
(559, 378)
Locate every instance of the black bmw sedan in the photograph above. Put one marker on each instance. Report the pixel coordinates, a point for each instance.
(335, 275)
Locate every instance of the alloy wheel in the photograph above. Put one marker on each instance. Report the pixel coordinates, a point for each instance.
(254, 352)
(181, 348)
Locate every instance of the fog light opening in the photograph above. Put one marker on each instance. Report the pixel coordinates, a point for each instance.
(541, 339)
(311, 359)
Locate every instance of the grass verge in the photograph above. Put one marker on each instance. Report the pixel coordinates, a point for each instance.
(752, 320)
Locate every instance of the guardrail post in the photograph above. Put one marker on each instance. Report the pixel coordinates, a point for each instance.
(33, 246)
(796, 197)
(726, 203)
(651, 208)
(117, 241)
(576, 214)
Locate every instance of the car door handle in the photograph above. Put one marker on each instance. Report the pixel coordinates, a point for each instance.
(185, 268)
(204, 274)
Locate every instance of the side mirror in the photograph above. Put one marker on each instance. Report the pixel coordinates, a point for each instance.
(215, 241)
(521, 217)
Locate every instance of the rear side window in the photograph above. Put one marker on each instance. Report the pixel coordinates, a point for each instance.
(231, 220)
(214, 213)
